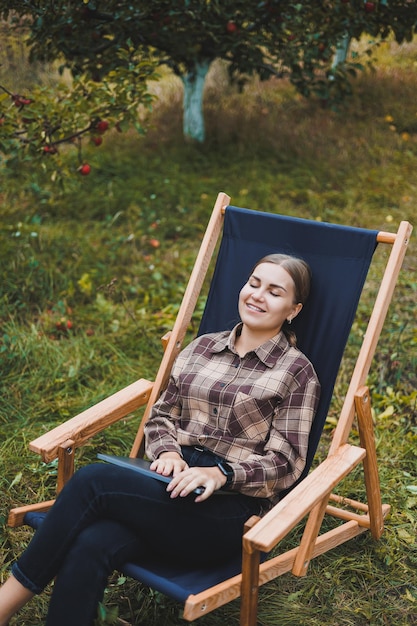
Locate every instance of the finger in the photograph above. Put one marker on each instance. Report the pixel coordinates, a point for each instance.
(208, 491)
(179, 466)
(182, 485)
(188, 485)
(159, 466)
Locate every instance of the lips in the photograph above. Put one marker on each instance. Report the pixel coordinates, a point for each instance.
(255, 308)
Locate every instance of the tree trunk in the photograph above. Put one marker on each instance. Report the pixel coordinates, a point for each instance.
(193, 117)
(341, 53)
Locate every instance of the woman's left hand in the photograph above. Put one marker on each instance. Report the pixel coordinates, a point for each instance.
(184, 483)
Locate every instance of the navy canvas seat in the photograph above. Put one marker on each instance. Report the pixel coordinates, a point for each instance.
(339, 257)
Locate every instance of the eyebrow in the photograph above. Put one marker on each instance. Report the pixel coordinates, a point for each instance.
(271, 285)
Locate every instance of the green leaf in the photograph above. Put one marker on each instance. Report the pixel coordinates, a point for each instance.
(405, 536)
(389, 411)
(16, 480)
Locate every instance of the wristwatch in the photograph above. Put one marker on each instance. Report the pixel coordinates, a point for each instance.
(226, 470)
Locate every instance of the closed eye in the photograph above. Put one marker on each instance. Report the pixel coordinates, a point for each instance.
(255, 284)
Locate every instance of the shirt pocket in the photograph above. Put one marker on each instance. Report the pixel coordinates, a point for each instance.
(250, 418)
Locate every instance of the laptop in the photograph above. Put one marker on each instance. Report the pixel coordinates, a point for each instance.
(142, 467)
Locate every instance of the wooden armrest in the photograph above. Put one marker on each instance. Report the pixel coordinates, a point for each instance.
(83, 426)
(277, 523)
(18, 513)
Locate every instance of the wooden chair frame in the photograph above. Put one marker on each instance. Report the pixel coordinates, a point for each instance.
(312, 497)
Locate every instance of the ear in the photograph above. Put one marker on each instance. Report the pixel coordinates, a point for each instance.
(297, 308)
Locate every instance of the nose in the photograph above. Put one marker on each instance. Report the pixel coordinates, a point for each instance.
(258, 294)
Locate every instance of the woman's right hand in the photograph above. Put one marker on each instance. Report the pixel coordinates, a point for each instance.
(169, 464)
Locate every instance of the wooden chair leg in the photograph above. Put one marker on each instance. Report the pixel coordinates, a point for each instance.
(65, 464)
(308, 540)
(250, 588)
(370, 465)
(250, 580)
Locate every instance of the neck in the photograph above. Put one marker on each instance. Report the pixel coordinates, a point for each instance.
(250, 340)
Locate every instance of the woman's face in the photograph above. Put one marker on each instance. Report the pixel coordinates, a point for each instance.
(267, 299)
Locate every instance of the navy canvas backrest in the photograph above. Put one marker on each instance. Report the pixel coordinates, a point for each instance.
(339, 258)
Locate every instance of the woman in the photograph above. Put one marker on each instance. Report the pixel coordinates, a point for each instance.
(236, 416)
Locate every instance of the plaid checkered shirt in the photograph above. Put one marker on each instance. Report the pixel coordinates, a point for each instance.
(254, 411)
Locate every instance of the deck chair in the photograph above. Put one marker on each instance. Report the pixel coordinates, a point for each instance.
(339, 257)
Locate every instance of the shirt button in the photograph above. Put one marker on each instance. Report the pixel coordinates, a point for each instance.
(215, 411)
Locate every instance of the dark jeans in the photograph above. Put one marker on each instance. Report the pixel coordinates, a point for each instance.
(106, 516)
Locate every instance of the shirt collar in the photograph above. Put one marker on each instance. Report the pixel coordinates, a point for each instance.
(268, 352)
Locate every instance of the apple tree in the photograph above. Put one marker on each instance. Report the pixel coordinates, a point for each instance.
(304, 41)
(43, 121)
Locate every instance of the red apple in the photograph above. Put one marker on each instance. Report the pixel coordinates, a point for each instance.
(97, 140)
(85, 169)
(231, 27)
(102, 126)
(369, 7)
(20, 101)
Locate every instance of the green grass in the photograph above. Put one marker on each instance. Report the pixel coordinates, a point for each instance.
(81, 251)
